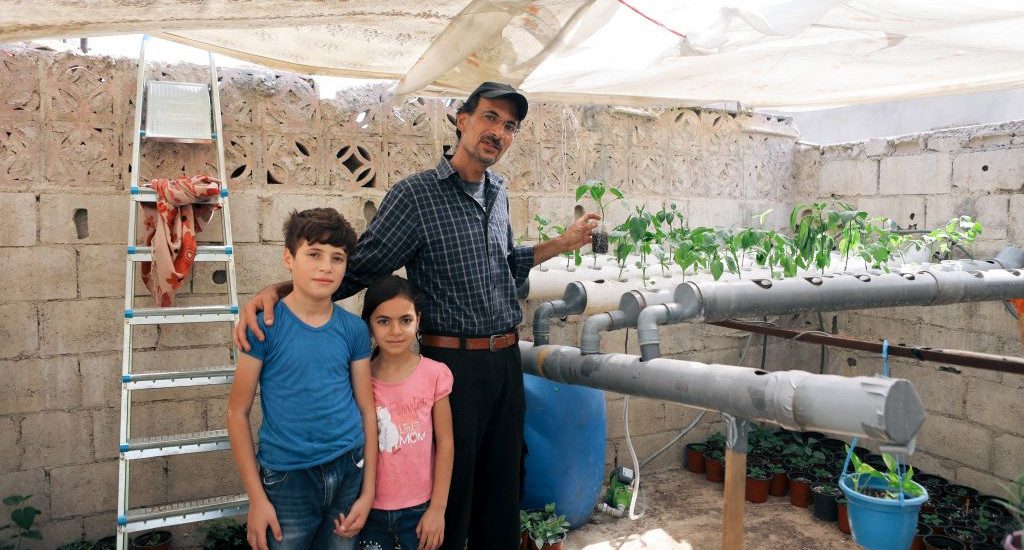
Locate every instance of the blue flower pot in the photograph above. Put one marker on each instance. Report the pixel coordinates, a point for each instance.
(879, 523)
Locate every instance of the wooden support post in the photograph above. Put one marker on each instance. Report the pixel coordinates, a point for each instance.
(735, 493)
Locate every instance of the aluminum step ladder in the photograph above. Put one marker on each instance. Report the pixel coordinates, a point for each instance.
(184, 113)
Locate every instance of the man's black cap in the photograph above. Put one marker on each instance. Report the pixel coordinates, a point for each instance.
(495, 90)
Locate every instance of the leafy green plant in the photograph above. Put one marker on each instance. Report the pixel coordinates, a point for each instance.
(572, 256)
(22, 520)
(76, 545)
(893, 484)
(812, 234)
(758, 472)
(715, 441)
(544, 526)
(598, 192)
(1015, 504)
(542, 224)
(642, 235)
(801, 455)
(224, 534)
(957, 232)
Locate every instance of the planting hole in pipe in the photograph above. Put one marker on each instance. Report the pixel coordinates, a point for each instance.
(864, 278)
(813, 280)
(598, 281)
(978, 275)
(759, 372)
(909, 276)
(1015, 272)
(763, 283)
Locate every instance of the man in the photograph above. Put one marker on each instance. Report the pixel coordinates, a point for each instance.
(450, 227)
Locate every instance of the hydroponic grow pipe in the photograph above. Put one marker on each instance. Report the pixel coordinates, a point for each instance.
(1001, 363)
(630, 306)
(709, 301)
(887, 410)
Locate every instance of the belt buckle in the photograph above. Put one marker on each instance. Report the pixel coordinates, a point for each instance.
(490, 341)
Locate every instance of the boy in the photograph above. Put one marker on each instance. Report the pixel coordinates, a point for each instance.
(313, 371)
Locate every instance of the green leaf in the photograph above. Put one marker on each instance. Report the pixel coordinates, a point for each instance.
(617, 193)
(15, 500)
(890, 462)
(24, 517)
(580, 191)
(717, 268)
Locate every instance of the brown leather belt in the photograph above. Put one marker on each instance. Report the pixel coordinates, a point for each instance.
(490, 343)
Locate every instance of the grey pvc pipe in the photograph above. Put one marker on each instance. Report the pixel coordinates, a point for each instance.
(630, 306)
(573, 302)
(887, 410)
(710, 301)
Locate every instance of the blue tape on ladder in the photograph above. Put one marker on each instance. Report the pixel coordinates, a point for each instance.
(131, 250)
(123, 448)
(142, 133)
(213, 135)
(125, 378)
(234, 309)
(134, 191)
(128, 314)
(228, 250)
(224, 192)
(122, 521)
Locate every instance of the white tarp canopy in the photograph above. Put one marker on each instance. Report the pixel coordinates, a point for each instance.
(782, 54)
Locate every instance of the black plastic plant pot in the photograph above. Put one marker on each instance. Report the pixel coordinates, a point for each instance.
(942, 542)
(962, 494)
(965, 534)
(936, 524)
(931, 481)
(823, 502)
(988, 545)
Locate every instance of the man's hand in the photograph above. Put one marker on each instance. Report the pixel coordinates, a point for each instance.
(430, 530)
(350, 525)
(579, 233)
(262, 516)
(264, 301)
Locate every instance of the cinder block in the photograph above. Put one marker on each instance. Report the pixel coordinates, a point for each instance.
(646, 416)
(848, 177)
(990, 170)
(84, 219)
(149, 482)
(32, 385)
(84, 488)
(907, 211)
(88, 325)
(1008, 460)
(62, 531)
(56, 438)
(37, 273)
(956, 440)
(945, 143)
(9, 433)
(167, 418)
(995, 405)
(245, 221)
(942, 392)
(106, 425)
(927, 462)
(615, 428)
(982, 481)
(29, 482)
(256, 266)
(101, 380)
(19, 333)
(200, 476)
(17, 219)
(102, 272)
(993, 213)
(646, 445)
(921, 174)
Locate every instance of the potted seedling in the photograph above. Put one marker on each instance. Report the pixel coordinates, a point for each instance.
(572, 258)
(758, 479)
(105, 543)
(76, 545)
(547, 530)
(942, 542)
(603, 196)
(779, 484)
(224, 534)
(694, 455)
(542, 224)
(842, 519)
(883, 507)
(714, 464)
(823, 501)
(153, 540)
(1015, 504)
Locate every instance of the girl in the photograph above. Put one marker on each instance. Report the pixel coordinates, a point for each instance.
(413, 415)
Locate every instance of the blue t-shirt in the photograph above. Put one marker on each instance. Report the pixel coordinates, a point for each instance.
(309, 411)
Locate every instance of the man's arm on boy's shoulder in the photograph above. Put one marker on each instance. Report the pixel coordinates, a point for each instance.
(263, 301)
(243, 391)
(362, 388)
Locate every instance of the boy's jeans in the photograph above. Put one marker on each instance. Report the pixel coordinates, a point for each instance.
(392, 529)
(307, 502)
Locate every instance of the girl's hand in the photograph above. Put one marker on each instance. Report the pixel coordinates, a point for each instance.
(430, 530)
(350, 525)
(262, 516)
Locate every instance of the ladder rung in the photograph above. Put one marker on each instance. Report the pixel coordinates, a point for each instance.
(147, 194)
(185, 314)
(203, 253)
(178, 444)
(183, 512)
(179, 379)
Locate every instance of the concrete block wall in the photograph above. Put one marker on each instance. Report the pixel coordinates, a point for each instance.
(65, 165)
(974, 433)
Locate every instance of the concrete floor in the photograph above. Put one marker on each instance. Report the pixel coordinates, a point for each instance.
(684, 512)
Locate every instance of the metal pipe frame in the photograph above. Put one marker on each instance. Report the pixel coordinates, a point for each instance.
(887, 410)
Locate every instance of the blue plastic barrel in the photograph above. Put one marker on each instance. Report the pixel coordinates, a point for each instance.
(565, 438)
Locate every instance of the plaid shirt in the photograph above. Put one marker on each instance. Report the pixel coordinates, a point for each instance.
(459, 255)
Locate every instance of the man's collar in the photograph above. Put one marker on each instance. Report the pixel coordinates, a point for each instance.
(445, 170)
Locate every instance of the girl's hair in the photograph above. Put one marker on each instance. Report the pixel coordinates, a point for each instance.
(384, 289)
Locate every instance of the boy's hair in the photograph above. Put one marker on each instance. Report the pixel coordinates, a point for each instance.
(386, 288)
(318, 226)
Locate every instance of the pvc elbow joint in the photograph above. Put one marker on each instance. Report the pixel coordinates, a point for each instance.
(647, 330)
(542, 323)
(590, 341)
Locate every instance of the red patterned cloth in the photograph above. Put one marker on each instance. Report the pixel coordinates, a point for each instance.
(171, 226)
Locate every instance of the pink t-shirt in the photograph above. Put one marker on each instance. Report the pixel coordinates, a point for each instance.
(405, 465)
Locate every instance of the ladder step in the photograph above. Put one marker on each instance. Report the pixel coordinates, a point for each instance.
(185, 314)
(179, 379)
(178, 444)
(181, 513)
(147, 194)
(178, 111)
(203, 253)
